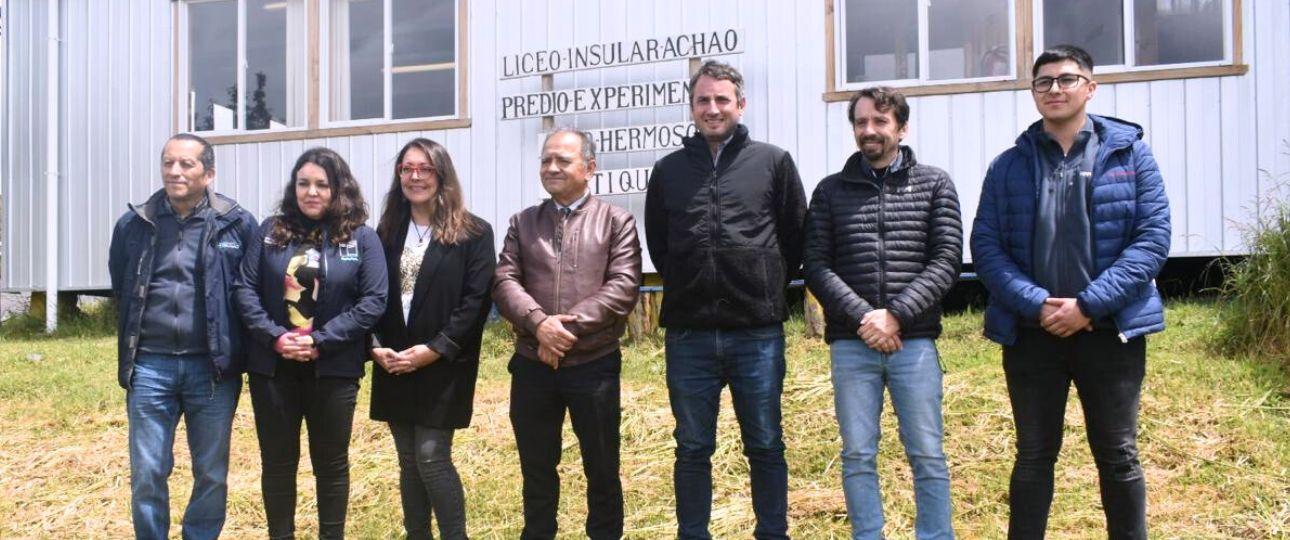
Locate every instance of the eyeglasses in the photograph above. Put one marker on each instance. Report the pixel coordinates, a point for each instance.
(1065, 82)
(407, 171)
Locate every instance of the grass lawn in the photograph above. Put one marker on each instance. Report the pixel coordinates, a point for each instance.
(1215, 442)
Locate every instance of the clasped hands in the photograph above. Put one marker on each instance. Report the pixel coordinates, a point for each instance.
(296, 345)
(1062, 317)
(880, 330)
(554, 340)
(405, 361)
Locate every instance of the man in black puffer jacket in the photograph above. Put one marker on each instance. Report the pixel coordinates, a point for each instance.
(723, 220)
(884, 242)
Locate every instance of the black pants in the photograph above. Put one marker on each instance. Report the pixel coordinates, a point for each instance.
(428, 481)
(326, 404)
(539, 397)
(1108, 377)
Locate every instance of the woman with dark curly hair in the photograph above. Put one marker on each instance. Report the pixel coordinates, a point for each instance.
(440, 259)
(310, 291)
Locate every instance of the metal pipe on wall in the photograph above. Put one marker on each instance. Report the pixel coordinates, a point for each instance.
(51, 168)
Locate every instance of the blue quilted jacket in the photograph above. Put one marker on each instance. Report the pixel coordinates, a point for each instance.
(1130, 221)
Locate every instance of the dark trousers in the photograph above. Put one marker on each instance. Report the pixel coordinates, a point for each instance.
(326, 404)
(428, 481)
(1108, 375)
(539, 397)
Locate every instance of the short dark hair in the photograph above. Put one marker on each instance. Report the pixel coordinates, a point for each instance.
(208, 151)
(885, 99)
(1062, 53)
(720, 71)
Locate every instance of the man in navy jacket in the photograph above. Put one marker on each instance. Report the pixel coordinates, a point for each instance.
(1071, 230)
(173, 261)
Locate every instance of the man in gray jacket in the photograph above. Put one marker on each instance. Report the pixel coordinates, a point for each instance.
(173, 262)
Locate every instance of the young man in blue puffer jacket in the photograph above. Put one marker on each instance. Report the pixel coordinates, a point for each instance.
(1071, 230)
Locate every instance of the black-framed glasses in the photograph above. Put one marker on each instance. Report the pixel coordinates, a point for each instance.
(1065, 82)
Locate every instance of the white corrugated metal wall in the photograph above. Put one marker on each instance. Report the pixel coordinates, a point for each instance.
(23, 156)
(1211, 136)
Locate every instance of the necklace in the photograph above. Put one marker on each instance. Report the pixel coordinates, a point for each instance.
(421, 234)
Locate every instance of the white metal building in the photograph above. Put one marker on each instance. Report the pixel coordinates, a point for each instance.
(98, 85)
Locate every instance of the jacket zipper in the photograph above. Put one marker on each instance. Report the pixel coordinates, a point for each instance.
(559, 260)
(322, 283)
(714, 220)
(882, 247)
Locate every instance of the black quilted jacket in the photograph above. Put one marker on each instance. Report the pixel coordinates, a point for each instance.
(895, 244)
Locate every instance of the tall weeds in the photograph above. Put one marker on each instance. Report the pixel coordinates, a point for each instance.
(1255, 316)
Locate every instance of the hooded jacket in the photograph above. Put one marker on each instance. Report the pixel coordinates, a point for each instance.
(1130, 228)
(228, 231)
(726, 238)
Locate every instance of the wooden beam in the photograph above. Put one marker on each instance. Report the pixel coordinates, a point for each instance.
(463, 59)
(1025, 45)
(295, 135)
(315, 71)
(1237, 33)
(830, 46)
(1025, 52)
(548, 84)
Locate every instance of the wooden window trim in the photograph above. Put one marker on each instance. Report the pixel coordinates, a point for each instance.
(312, 130)
(1025, 52)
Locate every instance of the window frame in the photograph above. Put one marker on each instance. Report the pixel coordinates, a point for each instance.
(1128, 16)
(388, 70)
(1028, 42)
(924, 53)
(316, 60)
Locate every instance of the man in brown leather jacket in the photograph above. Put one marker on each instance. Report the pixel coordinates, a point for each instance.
(568, 275)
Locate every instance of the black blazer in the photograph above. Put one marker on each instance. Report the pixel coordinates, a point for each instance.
(352, 299)
(450, 304)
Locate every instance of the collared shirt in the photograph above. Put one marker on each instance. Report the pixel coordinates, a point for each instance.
(167, 208)
(573, 206)
(1063, 252)
(881, 174)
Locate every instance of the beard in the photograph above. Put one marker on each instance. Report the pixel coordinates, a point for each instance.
(874, 152)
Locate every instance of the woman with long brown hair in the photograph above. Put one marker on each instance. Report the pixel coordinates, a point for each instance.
(311, 289)
(440, 258)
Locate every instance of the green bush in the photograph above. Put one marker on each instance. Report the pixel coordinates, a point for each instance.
(1255, 319)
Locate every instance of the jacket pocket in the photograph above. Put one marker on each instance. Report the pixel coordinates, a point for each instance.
(751, 279)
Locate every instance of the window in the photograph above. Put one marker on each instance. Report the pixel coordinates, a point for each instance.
(1124, 35)
(928, 47)
(904, 43)
(292, 68)
(241, 66)
(392, 59)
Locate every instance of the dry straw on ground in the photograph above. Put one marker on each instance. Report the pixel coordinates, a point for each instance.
(1214, 441)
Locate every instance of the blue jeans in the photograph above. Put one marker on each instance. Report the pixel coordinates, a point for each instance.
(699, 364)
(163, 388)
(913, 375)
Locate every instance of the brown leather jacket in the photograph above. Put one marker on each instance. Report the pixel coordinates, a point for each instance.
(593, 273)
